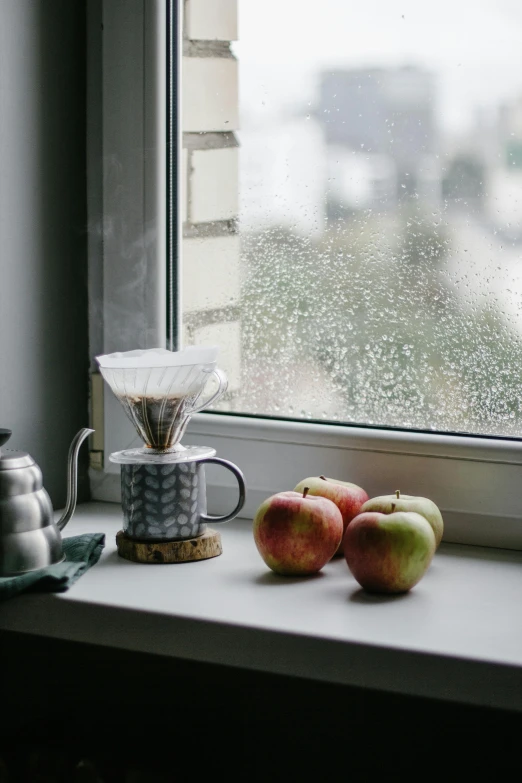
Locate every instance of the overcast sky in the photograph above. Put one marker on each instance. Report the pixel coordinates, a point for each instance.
(473, 45)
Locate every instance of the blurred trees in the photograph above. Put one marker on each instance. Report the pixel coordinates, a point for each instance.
(368, 322)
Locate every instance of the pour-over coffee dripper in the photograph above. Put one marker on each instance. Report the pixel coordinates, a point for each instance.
(159, 391)
(163, 488)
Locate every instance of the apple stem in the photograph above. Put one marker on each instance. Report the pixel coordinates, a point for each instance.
(398, 493)
(393, 507)
(306, 490)
(323, 478)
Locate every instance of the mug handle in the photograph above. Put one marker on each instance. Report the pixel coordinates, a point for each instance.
(222, 387)
(242, 489)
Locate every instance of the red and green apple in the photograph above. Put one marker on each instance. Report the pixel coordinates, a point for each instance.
(389, 553)
(297, 533)
(399, 502)
(348, 497)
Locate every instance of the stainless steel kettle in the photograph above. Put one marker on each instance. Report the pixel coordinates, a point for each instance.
(29, 536)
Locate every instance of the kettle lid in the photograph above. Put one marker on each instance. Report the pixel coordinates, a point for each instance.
(12, 459)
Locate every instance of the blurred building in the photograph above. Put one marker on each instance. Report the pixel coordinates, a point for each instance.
(503, 202)
(387, 115)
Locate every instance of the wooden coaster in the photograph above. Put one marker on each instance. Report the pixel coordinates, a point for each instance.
(200, 548)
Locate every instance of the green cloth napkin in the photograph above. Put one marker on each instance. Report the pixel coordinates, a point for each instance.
(81, 552)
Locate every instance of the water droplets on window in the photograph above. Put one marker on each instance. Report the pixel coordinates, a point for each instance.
(381, 214)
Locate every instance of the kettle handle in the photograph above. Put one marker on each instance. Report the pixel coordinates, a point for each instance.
(72, 476)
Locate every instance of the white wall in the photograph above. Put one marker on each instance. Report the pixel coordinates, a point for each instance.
(43, 278)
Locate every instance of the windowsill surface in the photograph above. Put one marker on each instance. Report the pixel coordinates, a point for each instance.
(457, 635)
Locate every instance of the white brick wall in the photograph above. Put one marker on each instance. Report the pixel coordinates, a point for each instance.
(228, 337)
(211, 20)
(211, 252)
(211, 273)
(210, 94)
(214, 185)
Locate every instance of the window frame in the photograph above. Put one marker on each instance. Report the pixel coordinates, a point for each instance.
(475, 480)
(133, 145)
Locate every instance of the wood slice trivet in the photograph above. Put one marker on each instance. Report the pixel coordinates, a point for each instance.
(200, 548)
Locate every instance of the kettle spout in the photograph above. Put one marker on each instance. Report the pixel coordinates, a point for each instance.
(72, 476)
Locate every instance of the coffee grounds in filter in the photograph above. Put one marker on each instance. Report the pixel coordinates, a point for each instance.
(158, 419)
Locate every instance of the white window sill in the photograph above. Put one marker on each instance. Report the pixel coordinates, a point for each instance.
(456, 636)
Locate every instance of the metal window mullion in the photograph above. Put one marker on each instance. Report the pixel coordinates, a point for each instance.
(174, 166)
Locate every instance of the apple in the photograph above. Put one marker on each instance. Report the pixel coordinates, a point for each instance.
(389, 553)
(347, 497)
(398, 502)
(297, 533)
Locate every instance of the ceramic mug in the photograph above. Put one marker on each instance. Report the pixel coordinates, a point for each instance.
(169, 502)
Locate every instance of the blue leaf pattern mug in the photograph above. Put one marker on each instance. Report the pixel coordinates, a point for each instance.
(168, 502)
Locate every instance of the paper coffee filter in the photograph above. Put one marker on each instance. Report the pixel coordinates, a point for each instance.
(158, 372)
(160, 357)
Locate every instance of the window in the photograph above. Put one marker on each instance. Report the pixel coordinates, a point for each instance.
(335, 221)
(380, 185)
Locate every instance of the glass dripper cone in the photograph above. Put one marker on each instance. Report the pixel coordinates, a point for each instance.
(160, 390)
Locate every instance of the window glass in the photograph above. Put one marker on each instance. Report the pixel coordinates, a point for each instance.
(380, 213)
